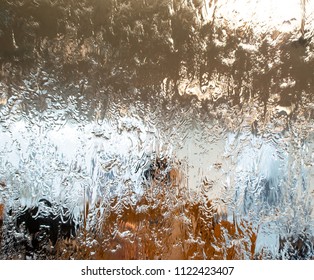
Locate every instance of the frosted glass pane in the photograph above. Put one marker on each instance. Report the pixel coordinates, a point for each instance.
(156, 129)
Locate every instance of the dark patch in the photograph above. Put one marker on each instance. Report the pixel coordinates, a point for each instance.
(44, 225)
(299, 247)
(157, 170)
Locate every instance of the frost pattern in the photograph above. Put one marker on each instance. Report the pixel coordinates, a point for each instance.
(156, 129)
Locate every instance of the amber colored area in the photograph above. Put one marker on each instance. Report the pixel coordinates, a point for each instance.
(163, 224)
(1, 213)
(189, 231)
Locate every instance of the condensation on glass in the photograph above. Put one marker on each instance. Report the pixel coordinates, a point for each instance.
(156, 129)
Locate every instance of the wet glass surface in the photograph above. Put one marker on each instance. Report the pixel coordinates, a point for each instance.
(156, 129)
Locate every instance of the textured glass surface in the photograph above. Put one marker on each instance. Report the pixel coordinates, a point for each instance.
(145, 129)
